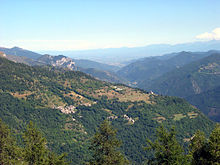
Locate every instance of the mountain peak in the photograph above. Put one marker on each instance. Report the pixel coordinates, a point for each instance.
(16, 48)
(61, 56)
(16, 51)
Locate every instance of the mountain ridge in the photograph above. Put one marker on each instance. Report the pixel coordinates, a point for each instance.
(98, 70)
(118, 56)
(191, 81)
(143, 71)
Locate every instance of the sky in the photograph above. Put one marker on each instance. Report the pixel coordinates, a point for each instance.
(93, 24)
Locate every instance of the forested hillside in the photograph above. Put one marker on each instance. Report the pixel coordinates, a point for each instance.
(208, 102)
(198, 82)
(67, 106)
(98, 70)
(144, 71)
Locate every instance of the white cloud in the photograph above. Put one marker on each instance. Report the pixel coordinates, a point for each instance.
(214, 35)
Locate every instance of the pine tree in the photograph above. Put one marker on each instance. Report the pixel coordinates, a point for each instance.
(214, 145)
(167, 151)
(55, 159)
(10, 153)
(35, 146)
(105, 146)
(198, 150)
(36, 151)
(206, 151)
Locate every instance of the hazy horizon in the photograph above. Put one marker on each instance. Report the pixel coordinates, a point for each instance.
(93, 24)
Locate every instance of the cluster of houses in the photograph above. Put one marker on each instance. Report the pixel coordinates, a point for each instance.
(112, 117)
(129, 118)
(88, 104)
(117, 88)
(67, 109)
(71, 108)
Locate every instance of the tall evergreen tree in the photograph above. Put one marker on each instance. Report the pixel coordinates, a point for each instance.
(36, 151)
(10, 153)
(206, 151)
(35, 146)
(167, 151)
(55, 159)
(105, 146)
(198, 150)
(214, 145)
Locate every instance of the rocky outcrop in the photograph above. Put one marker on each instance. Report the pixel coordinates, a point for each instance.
(58, 61)
(196, 87)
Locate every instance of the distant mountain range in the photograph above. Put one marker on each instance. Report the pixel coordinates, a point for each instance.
(101, 71)
(194, 78)
(96, 65)
(122, 56)
(143, 71)
(198, 82)
(16, 51)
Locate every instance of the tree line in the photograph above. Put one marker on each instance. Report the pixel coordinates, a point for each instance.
(105, 148)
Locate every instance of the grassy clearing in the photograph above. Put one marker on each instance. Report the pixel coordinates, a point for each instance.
(123, 94)
(53, 100)
(79, 99)
(22, 95)
(192, 115)
(159, 119)
(129, 107)
(178, 116)
(108, 111)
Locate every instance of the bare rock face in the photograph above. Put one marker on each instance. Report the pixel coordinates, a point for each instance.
(196, 87)
(58, 61)
(64, 62)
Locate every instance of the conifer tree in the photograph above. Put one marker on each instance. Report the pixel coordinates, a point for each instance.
(167, 151)
(10, 153)
(55, 159)
(105, 146)
(214, 145)
(36, 151)
(198, 150)
(206, 151)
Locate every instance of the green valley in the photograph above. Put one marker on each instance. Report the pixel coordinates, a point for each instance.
(67, 106)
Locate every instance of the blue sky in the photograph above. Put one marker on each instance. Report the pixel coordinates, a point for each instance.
(92, 24)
